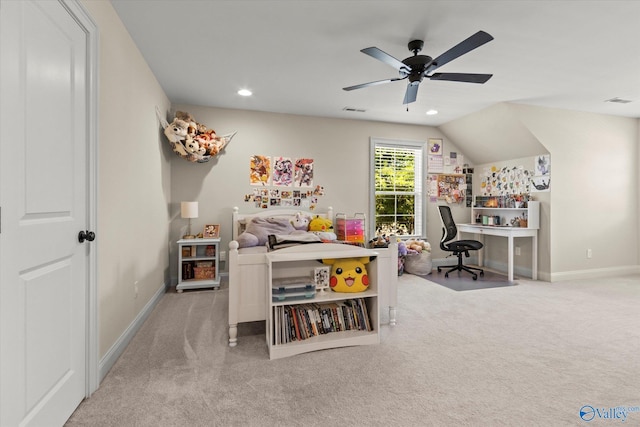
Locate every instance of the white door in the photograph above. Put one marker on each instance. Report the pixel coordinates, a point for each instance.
(44, 204)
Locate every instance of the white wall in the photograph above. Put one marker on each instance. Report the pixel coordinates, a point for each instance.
(594, 178)
(133, 181)
(339, 147)
(493, 134)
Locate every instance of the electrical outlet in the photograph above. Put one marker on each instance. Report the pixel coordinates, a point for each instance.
(135, 289)
(589, 253)
(518, 250)
(223, 255)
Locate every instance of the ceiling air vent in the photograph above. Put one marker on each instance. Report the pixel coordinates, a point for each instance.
(354, 110)
(618, 100)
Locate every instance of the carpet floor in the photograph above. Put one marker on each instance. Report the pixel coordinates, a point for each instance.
(536, 354)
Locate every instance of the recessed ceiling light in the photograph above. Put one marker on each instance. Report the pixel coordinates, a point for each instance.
(432, 112)
(245, 92)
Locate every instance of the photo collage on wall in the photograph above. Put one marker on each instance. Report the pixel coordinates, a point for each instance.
(282, 181)
(505, 181)
(449, 178)
(511, 180)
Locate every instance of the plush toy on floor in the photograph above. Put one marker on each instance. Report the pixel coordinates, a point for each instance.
(348, 274)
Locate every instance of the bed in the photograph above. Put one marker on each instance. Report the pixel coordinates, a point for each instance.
(248, 273)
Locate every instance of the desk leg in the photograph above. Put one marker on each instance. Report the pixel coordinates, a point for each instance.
(481, 251)
(534, 256)
(510, 259)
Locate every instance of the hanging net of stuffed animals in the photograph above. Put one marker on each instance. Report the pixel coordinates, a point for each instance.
(191, 140)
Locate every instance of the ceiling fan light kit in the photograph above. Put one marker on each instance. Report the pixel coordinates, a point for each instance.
(415, 68)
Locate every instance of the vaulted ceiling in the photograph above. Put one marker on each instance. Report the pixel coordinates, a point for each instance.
(296, 56)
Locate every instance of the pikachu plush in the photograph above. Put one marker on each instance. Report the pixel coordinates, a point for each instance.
(348, 274)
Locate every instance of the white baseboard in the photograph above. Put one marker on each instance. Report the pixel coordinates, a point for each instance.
(110, 358)
(548, 277)
(595, 273)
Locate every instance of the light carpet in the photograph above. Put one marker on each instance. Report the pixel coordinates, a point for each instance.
(526, 355)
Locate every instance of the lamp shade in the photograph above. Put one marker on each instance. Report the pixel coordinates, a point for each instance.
(189, 209)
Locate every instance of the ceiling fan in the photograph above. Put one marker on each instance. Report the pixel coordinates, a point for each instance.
(417, 67)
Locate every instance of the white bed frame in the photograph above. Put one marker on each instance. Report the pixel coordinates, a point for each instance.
(248, 274)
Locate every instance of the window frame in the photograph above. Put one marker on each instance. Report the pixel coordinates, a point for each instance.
(420, 176)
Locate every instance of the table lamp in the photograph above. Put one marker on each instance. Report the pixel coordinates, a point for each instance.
(189, 210)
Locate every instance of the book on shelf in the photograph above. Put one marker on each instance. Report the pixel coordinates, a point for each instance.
(187, 271)
(298, 322)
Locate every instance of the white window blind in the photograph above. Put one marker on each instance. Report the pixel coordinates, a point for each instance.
(398, 189)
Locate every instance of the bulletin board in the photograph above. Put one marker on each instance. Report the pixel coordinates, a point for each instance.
(452, 187)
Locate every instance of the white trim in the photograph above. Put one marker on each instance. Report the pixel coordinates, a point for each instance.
(372, 185)
(525, 273)
(83, 18)
(116, 350)
(595, 273)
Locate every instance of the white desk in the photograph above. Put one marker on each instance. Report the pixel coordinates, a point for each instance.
(510, 233)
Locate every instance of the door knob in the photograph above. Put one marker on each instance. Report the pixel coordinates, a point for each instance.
(86, 235)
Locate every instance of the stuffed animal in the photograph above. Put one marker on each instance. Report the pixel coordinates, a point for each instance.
(323, 228)
(259, 228)
(417, 246)
(320, 224)
(176, 131)
(379, 242)
(300, 221)
(348, 274)
(192, 125)
(402, 248)
(193, 147)
(191, 140)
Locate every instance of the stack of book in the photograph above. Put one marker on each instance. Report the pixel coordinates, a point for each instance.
(302, 321)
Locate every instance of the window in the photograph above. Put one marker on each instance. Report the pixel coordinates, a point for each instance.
(397, 179)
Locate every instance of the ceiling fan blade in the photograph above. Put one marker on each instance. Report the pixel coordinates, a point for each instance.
(465, 46)
(411, 94)
(385, 57)
(379, 82)
(461, 77)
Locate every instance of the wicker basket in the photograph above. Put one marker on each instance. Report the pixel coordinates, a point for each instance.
(203, 273)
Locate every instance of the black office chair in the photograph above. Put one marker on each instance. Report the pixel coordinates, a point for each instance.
(456, 247)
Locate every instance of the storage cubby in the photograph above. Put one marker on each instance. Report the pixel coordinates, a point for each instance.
(510, 211)
(324, 319)
(198, 264)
